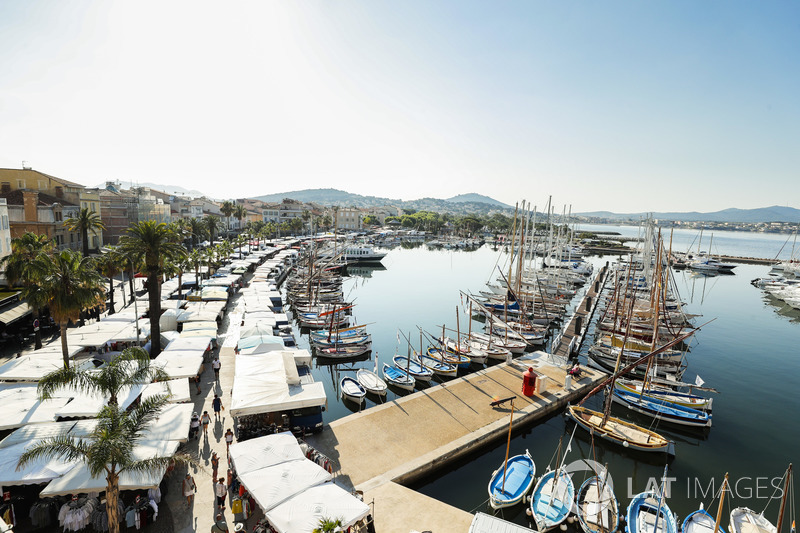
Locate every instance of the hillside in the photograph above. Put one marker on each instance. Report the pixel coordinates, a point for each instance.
(775, 213)
(462, 204)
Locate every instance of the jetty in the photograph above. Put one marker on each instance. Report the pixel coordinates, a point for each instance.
(571, 338)
(385, 448)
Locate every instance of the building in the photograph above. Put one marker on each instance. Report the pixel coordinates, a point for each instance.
(5, 230)
(57, 199)
(348, 218)
(119, 210)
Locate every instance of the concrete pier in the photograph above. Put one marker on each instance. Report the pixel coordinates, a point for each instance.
(573, 334)
(412, 437)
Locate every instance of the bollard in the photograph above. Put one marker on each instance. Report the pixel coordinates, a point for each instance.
(578, 324)
(597, 286)
(588, 302)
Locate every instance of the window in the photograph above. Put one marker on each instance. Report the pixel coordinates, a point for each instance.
(42, 185)
(94, 207)
(20, 184)
(57, 215)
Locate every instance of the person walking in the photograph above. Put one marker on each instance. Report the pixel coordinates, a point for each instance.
(205, 420)
(228, 441)
(220, 526)
(197, 383)
(220, 490)
(214, 465)
(194, 426)
(216, 403)
(215, 364)
(189, 488)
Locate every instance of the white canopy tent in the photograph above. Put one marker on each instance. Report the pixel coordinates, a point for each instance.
(34, 366)
(80, 480)
(262, 452)
(262, 385)
(21, 406)
(180, 363)
(190, 343)
(172, 424)
(302, 513)
(41, 470)
(178, 389)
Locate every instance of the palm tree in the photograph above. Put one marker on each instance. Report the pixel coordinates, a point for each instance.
(153, 244)
(227, 208)
(240, 213)
(109, 266)
(109, 449)
(197, 229)
(68, 283)
(196, 260)
(327, 525)
(24, 250)
(213, 226)
(84, 222)
(132, 367)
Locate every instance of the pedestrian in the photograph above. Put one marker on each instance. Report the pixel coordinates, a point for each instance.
(220, 490)
(220, 526)
(214, 465)
(216, 403)
(205, 420)
(194, 426)
(228, 440)
(189, 488)
(197, 382)
(215, 364)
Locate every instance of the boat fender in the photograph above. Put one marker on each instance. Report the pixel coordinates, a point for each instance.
(528, 512)
(625, 444)
(563, 527)
(570, 519)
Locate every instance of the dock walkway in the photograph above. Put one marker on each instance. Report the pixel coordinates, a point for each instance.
(572, 337)
(407, 439)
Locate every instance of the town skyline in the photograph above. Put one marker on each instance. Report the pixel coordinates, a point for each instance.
(616, 107)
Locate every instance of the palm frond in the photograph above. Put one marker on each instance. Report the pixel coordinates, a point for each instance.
(157, 464)
(62, 447)
(67, 378)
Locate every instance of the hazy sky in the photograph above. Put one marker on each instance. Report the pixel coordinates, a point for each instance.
(621, 106)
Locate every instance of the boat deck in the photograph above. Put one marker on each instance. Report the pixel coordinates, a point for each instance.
(411, 437)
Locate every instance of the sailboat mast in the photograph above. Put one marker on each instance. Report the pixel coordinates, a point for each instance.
(513, 237)
(784, 497)
(508, 446)
(721, 499)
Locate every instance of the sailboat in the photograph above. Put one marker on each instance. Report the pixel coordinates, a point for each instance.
(398, 377)
(597, 507)
(701, 522)
(745, 520)
(648, 513)
(371, 381)
(509, 484)
(553, 496)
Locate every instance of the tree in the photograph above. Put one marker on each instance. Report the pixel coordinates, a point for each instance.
(196, 259)
(132, 367)
(197, 229)
(227, 208)
(84, 222)
(109, 450)
(212, 226)
(327, 525)
(109, 266)
(68, 283)
(153, 244)
(18, 264)
(240, 213)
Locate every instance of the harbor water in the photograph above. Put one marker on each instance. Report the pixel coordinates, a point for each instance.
(748, 352)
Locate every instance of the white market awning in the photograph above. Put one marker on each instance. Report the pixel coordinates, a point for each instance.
(80, 480)
(302, 513)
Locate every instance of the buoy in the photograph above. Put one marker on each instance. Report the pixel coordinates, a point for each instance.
(624, 444)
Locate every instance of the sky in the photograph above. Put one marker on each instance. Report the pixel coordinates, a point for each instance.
(619, 106)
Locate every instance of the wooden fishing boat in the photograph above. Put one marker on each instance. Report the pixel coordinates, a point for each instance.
(745, 520)
(398, 377)
(700, 522)
(624, 433)
(552, 499)
(476, 355)
(459, 360)
(515, 346)
(662, 410)
(649, 513)
(346, 341)
(511, 482)
(352, 389)
(371, 382)
(412, 367)
(665, 394)
(440, 368)
(597, 507)
(343, 352)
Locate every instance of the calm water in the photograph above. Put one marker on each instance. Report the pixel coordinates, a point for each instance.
(749, 353)
(737, 243)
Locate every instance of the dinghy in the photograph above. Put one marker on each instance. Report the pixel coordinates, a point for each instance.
(398, 377)
(352, 389)
(371, 382)
(598, 510)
